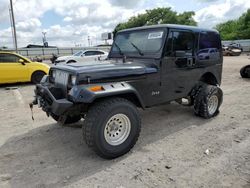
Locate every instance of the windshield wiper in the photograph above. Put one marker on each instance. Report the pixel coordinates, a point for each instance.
(138, 49)
(120, 51)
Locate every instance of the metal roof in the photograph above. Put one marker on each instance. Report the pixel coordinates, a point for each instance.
(172, 26)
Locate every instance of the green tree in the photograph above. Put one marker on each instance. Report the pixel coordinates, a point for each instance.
(157, 16)
(236, 29)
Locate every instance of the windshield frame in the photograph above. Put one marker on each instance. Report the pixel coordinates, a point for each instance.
(135, 54)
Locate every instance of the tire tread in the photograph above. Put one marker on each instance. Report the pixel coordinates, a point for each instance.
(94, 111)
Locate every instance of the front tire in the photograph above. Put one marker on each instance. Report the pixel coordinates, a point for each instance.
(207, 101)
(112, 127)
(37, 77)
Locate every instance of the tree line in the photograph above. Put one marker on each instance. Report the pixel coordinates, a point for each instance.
(158, 16)
(236, 29)
(230, 30)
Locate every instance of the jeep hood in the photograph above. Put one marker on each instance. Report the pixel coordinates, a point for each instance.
(96, 70)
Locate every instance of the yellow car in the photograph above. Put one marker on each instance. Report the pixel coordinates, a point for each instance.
(16, 68)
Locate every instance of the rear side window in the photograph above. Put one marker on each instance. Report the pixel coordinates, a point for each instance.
(209, 40)
(209, 46)
(99, 53)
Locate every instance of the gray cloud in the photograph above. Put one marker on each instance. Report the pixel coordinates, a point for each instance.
(214, 14)
(207, 1)
(4, 11)
(125, 3)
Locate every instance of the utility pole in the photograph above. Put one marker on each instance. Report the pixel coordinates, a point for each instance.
(13, 25)
(44, 37)
(45, 43)
(89, 40)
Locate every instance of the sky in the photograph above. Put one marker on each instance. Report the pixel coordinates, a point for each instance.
(70, 23)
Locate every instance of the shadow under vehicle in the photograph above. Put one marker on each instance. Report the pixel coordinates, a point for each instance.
(146, 66)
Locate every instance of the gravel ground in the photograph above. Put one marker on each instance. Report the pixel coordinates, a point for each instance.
(171, 150)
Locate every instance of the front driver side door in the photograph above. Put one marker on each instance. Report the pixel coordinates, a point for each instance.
(11, 70)
(178, 64)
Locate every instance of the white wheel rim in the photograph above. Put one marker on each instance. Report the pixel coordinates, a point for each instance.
(213, 102)
(117, 129)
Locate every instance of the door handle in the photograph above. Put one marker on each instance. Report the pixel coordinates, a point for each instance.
(190, 62)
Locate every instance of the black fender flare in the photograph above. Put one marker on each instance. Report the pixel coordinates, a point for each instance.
(83, 93)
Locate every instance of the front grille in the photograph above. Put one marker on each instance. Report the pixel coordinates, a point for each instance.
(61, 78)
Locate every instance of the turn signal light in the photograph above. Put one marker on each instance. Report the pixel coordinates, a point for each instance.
(96, 88)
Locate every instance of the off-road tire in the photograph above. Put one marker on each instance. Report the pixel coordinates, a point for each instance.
(37, 77)
(201, 100)
(245, 71)
(96, 119)
(69, 119)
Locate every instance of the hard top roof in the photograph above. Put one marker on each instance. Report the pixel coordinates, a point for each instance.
(171, 26)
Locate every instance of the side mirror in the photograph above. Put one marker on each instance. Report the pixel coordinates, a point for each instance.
(180, 53)
(21, 61)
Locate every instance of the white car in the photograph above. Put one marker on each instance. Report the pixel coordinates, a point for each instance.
(208, 53)
(82, 56)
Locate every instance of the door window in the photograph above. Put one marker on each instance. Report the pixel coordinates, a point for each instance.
(8, 58)
(180, 41)
(90, 53)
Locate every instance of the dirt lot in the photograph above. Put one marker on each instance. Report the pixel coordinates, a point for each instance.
(169, 153)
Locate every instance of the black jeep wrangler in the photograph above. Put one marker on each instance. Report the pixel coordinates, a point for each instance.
(146, 66)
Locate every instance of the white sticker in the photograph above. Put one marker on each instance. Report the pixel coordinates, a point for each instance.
(155, 35)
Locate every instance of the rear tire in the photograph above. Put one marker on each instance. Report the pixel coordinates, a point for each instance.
(69, 119)
(112, 127)
(37, 77)
(207, 101)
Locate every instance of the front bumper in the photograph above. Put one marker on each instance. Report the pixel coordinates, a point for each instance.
(51, 100)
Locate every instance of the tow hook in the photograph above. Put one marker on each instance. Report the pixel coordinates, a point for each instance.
(62, 119)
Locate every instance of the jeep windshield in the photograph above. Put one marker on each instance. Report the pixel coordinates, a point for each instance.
(138, 43)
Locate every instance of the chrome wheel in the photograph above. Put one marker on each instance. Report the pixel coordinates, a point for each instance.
(213, 103)
(117, 129)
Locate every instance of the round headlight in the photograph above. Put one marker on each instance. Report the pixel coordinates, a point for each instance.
(73, 80)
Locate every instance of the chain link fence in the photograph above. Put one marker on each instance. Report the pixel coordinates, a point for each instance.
(46, 53)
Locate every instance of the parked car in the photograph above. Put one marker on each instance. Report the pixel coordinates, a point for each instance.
(231, 51)
(82, 56)
(146, 66)
(16, 68)
(208, 53)
(235, 45)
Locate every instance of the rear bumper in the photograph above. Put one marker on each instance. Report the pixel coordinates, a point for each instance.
(50, 101)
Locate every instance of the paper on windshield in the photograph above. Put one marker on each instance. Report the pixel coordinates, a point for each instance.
(155, 35)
